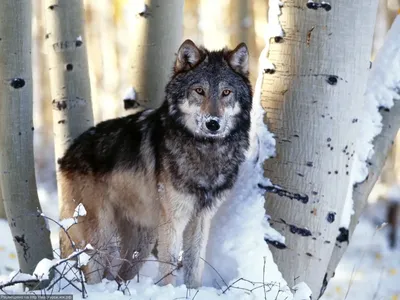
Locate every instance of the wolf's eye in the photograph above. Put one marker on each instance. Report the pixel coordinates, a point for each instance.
(199, 91)
(226, 93)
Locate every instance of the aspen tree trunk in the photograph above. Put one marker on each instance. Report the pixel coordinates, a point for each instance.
(69, 76)
(93, 39)
(159, 27)
(242, 31)
(17, 174)
(110, 73)
(382, 143)
(311, 101)
(382, 25)
(2, 210)
(214, 20)
(191, 21)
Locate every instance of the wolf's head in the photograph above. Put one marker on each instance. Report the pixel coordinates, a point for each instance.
(209, 93)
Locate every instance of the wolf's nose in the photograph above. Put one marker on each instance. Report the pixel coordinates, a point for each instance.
(212, 125)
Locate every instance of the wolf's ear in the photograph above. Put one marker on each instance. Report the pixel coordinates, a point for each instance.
(238, 59)
(188, 56)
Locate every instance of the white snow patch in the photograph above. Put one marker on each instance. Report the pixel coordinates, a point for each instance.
(18, 276)
(302, 291)
(130, 94)
(67, 223)
(139, 7)
(80, 211)
(42, 269)
(83, 259)
(270, 233)
(383, 87)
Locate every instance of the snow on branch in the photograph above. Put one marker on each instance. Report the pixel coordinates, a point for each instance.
(80, 211)
(43, 269)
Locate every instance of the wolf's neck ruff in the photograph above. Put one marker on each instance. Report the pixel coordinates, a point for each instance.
(202, 166)
(192, 147)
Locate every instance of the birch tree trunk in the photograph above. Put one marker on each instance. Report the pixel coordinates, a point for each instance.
(159, 27)
(383, 142)
(2, 210)
(242, 31)
(17, 174)
(214, 20)
(69, 75)
(191, 21)
(312, 101)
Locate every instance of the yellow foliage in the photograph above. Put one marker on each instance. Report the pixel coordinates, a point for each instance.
(392, 271)
(118, 8)
(12, 256)
(378, 256)
(338, 290)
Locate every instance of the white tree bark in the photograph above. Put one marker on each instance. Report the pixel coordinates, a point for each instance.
(384, 141)
(158, 27)
(382, 145)
(191, 21)
(69, 76)
(2, 210)
(243, 31)
(312, 100)
(17, 175)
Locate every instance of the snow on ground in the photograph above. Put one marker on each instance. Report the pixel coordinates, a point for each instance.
(369, 269)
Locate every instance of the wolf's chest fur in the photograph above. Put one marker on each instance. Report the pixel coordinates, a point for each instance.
(204, 168)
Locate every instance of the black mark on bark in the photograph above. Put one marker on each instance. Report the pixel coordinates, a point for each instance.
(283, 193)
(343, 236)
(331, 217)
(17, 83)
(276, 244)
(25, 247)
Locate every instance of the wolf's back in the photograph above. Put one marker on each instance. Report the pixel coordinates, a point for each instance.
(110, 169)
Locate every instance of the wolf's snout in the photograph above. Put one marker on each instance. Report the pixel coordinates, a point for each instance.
(213, 125)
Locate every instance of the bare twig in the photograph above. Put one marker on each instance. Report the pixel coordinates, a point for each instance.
(166, 275)
(215, 270)
(265, 291)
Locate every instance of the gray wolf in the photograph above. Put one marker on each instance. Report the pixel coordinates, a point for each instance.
(160, 175)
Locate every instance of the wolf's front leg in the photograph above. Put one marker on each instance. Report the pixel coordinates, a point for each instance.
(195, 240)
(170, 233)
